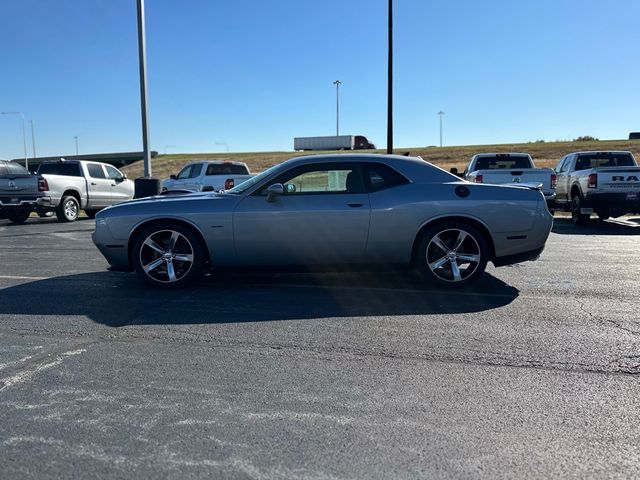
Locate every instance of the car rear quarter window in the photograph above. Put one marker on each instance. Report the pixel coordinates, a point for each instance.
(380, 177)
(65, 169)
(95, 170)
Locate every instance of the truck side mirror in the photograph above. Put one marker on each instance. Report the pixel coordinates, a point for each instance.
(173, 177)
(454, 170)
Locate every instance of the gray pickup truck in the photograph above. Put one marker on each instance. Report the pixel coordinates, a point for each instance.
(606, 183)
(20, 192)
(76, 185)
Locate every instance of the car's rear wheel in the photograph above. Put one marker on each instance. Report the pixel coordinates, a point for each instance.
(18, 216)
(452, 254)
(168, 255)
(578, 218)
(69, 209)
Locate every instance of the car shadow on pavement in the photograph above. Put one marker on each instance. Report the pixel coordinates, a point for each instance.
(120, 299)
(613, 226)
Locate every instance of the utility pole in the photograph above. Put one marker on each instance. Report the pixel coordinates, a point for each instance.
(142, 59)
(441, 114)
(390, 83)
(24, 137)
(337, 83)
(33, 139)
(76, 139)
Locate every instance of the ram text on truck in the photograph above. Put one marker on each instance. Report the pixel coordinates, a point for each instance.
(208, 176)
(511, 168)
(76, 185)
(607, 183)
(20, 192)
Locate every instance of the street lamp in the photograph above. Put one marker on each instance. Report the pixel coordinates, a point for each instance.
(441, 114)
(24, 136)
(33, 139)
(76, 139)
(142, 64)
(337, 83)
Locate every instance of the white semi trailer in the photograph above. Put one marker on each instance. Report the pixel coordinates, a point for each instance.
(334, 142)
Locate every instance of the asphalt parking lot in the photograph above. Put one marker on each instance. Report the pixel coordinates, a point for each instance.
(532, 372)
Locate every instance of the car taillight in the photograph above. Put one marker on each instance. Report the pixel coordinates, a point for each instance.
(228, 183)
(43, 186)
(593, 180)
(478, 179)
(554, 180)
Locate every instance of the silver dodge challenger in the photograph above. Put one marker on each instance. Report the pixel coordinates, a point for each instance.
(341, 211)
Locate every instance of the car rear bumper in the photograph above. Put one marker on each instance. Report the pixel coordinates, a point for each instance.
(623, 202)
(7, 201)
(518, 257)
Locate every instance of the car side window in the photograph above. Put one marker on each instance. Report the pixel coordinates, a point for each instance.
(95, 170)
(113, 173)
(380, 177)
(317, 179)
(566, 164)
(190, 171)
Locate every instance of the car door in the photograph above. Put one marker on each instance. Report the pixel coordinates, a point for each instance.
(562, 182)
(99, 186)
(121, 189)
(321, 218)
(193, 181)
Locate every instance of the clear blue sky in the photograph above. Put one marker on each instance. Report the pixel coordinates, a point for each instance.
(254, 74)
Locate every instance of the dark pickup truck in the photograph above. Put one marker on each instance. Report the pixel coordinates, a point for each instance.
(20, 192)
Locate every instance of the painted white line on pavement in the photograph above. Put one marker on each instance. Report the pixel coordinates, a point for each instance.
(17, 277)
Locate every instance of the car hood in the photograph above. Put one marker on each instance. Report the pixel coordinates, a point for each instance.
(169, 200)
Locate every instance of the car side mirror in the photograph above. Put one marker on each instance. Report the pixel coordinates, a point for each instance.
(454, 170)
(274, 191)
(173, 177)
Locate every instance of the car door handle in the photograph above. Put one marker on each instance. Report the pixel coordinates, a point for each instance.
(93, 183)
(355, 205)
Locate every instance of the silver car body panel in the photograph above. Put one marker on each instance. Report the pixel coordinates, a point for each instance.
(245, 229)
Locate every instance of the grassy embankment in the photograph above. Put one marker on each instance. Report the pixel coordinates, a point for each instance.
(545, 154)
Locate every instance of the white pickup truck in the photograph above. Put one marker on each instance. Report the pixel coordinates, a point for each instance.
(511, 169)
(208, 176)
(607, 183)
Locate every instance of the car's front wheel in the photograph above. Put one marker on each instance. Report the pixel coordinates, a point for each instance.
(168, 255)
(452, 254)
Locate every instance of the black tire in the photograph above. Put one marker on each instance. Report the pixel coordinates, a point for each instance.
(580, 219)
(155, 260)
(91, 213)
(18, 216)
(436, 264)
(69, 209)
(603, 214)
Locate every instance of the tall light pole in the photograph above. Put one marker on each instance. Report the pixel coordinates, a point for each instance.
(24, 137)
(390, 83)
(440, 114)
(76, 139)
(142, 60)
(33, 139)
(337, 83)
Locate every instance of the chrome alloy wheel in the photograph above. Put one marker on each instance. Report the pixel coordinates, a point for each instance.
(71, 208)
(453, 255)
(166, 256)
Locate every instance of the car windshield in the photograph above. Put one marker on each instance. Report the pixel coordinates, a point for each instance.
(246, 185)
(503, 162)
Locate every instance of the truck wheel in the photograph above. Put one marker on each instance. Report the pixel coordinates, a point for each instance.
(18, 216)
(603, 214)
(68, 210)
(452, 254)
(578, 218)
(91, 213)
(168, 255)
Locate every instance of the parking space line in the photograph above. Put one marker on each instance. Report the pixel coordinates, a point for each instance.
(18, 277)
